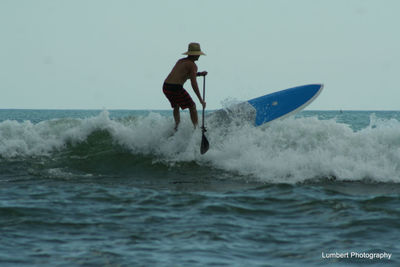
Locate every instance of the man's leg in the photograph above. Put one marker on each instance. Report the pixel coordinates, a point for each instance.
(177, 117)
(193, 115)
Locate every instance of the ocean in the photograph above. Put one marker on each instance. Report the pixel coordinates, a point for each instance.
(120, 188)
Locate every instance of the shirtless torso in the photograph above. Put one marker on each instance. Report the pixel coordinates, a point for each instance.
(182, 71)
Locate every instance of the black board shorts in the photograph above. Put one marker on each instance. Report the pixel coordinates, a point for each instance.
(177, 96)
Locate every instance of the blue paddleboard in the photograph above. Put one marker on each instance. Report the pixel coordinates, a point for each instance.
(278, 105)
(284, 103)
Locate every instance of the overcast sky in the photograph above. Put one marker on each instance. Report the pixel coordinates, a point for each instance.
(115, 54)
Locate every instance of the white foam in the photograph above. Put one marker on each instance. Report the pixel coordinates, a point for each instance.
(295, 150)
(287, 151)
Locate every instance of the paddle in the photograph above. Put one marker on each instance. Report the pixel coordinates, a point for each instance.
(205, 145)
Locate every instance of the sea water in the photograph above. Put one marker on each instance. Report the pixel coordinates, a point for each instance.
(121, 188)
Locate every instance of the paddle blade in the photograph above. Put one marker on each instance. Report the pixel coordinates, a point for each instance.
(204, 144)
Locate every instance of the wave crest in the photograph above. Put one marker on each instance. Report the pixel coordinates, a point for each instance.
(288, 151)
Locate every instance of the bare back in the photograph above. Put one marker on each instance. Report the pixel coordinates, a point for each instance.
(181, 72)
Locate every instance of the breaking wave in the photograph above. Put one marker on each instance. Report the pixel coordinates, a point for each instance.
(288, 151)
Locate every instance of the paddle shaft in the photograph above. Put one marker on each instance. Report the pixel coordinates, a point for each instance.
(205, 145)
(204, 98)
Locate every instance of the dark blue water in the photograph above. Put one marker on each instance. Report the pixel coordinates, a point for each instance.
(118, 188)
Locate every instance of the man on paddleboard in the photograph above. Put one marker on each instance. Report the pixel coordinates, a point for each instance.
(183, 70)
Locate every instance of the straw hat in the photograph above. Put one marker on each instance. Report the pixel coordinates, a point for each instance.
(194, 50)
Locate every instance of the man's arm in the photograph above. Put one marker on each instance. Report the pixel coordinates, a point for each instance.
(193, 81)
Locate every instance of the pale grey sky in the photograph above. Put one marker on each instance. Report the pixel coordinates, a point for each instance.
(115, 54)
